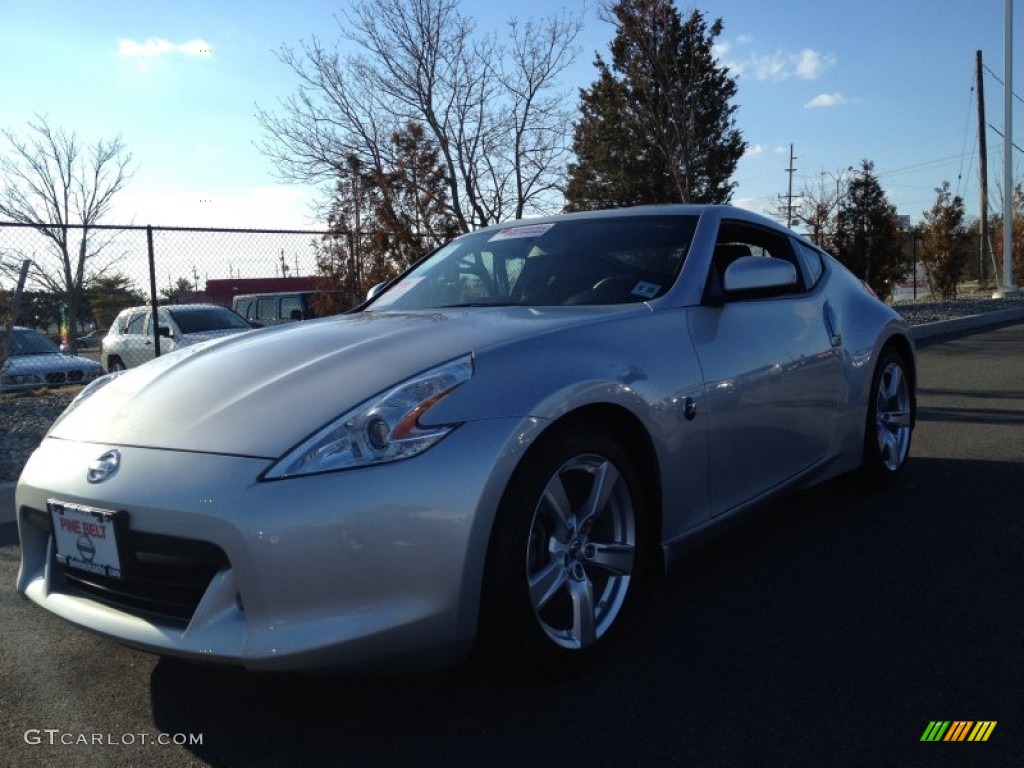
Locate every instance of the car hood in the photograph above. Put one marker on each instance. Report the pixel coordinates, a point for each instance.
(260, 393)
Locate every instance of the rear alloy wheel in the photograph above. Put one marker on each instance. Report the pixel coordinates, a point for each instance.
(567, 552)
(890, 419)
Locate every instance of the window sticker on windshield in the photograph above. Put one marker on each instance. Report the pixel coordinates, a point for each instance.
(514, 233)
(645, 289)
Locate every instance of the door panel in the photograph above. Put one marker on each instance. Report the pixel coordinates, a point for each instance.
(772, 382)
(772, 370)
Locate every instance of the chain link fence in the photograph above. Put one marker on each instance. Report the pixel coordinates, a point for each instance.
(191, 278)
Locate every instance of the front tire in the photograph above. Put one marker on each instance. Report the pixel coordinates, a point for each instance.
(890, 420)
(567, 553)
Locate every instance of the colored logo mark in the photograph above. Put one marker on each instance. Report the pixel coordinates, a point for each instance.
(958, 730)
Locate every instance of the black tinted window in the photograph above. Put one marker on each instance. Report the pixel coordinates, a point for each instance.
(212, 319)
(31, 343)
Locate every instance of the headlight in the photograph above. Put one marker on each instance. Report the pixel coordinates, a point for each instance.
(385, 428)
(15, 379)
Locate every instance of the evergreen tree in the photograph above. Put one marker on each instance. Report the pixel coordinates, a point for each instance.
(109, 294)
(868, 239)
(411, 212)
(382, 221)
(656, 126)
(945, 253)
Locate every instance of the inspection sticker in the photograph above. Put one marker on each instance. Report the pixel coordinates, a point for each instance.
(645, 289)
(513, 233)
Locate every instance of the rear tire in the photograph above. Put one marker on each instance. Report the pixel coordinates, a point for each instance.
(890, 420)
(567, 554)
(115, 364)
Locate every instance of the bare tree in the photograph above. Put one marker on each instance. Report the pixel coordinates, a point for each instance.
(817, 206)
(62, 189)
(490, 109)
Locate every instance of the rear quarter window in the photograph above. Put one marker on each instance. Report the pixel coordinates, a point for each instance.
(813, 263)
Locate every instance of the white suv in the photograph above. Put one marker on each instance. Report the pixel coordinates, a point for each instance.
(130, 340)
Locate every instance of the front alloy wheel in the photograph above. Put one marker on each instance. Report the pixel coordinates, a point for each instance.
(566, 553)
(581, 551)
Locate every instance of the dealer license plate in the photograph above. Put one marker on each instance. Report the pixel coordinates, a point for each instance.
(86, 538)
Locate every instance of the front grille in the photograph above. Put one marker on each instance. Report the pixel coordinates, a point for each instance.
(55, 378)
(75, 375)
(165, 577)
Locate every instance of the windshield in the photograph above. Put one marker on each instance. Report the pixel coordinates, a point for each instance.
(615, 260)
(26, 342)
(212, 319)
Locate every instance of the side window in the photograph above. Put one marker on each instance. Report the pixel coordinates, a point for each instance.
(737, 239)
(266, 308)
(290, 304)
(134, 325)
(162, 319)
(812, 263)
(244, 308)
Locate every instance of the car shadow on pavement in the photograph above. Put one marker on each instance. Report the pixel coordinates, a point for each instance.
(829, 629)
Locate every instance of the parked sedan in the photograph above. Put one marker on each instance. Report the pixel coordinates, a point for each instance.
(499, 446)
(92, 339)
(130, 340)
(35, 361)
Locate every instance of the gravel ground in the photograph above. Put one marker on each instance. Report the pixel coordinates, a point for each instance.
(25, 419)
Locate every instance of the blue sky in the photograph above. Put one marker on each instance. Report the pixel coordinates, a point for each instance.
(886, 81)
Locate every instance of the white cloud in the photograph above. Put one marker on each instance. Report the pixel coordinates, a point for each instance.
(156, 46)
(755, 150)
(772, 67)
(808, 64)
(826, 100)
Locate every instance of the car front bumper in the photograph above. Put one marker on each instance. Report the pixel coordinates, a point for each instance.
(375, 566)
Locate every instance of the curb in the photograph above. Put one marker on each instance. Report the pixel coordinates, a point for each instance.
(964, 324)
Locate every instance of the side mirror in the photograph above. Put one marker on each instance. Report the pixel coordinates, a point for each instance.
(295, 314)
(759, 276)
(376, 291)
(164, 331)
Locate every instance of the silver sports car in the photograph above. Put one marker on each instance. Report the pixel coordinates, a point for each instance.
(498, 446)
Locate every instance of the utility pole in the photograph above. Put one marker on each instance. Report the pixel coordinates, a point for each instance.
(1007, 288)
(789, 194)
(982, 168)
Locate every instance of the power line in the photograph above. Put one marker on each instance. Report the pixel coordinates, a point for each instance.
(963, 147)
(996, 78)
(1000, 135)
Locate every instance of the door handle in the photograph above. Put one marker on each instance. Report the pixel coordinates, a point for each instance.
(835, 338)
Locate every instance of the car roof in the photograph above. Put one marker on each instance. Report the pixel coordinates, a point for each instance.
(270, 294)
(662, 209)
(186, 307)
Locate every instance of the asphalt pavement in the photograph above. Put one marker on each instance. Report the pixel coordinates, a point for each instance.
(830, 629)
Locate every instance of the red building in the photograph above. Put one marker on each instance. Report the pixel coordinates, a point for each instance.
(223, 291)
